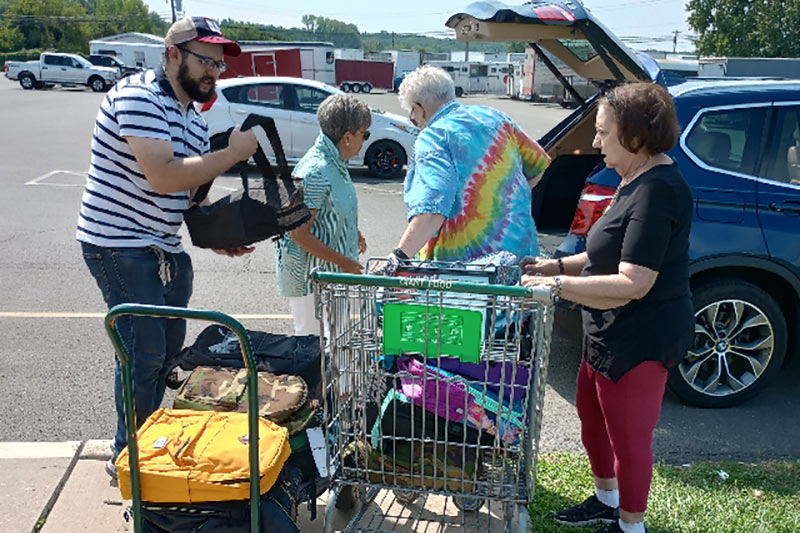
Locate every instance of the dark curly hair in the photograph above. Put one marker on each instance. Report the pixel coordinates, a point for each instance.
(645, 115)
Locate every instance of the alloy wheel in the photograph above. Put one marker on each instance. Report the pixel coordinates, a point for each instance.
(732, 347)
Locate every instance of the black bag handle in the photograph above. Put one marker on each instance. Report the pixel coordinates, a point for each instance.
(262, 162)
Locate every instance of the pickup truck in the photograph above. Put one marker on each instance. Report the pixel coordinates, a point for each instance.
(61, 69)
(102, 60)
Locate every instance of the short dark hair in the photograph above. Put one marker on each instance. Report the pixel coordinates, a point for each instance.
(645, 116)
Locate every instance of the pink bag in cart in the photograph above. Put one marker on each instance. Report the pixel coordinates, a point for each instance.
(452, 398)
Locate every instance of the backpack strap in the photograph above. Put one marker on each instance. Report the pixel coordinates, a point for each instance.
(283, 187)
(280, 186)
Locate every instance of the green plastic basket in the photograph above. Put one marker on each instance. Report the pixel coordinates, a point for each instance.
(455, 332)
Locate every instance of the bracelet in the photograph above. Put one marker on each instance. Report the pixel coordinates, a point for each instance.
(557, 287)
(400, 254)
(560, 266)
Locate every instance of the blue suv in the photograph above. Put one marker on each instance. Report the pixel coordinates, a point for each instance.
(738, 151)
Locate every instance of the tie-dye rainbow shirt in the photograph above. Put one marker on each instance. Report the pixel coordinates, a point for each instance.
(473, 164)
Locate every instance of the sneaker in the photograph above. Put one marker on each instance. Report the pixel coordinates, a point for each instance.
(111, 470)
(613, 527)
(591, 511)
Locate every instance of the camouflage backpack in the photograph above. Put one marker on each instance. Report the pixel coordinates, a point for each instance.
(281, 399)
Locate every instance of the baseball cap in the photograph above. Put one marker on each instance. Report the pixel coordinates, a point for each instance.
(201, 29)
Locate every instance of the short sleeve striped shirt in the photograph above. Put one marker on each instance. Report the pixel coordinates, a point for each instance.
(328, 189)
(119, 208)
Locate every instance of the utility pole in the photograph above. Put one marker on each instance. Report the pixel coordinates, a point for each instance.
(466, 52)
(393, 41)
(174, 15)
(675, 41)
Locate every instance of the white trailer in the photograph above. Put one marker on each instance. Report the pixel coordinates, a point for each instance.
(405, 61)
(477, 77)
(317, 60)
(134, 49)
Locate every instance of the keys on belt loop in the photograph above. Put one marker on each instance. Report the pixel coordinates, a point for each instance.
(163, 265)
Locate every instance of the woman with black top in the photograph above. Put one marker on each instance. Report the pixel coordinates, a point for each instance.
(633, 285)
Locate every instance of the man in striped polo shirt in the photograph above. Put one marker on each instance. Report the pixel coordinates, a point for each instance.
(150, 149)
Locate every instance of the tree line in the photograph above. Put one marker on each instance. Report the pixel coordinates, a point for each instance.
(69, 25)
(766, 28)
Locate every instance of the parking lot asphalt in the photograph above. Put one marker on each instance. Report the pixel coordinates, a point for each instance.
(56, 362)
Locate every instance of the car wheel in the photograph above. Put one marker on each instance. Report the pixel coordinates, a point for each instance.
(345, 87)
(97, 83)
(356, 87)
(366, 88)
(385, 159)
(739, 345)
(459, 92)
(26, 81)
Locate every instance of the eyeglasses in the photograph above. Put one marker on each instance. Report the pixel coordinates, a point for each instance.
(365, 134)
(411, 115)
(208, 62)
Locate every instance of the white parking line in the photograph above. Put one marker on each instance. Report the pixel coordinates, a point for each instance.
(40, 179)
(28, 314)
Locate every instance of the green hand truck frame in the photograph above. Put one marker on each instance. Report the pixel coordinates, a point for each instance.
(154, 311)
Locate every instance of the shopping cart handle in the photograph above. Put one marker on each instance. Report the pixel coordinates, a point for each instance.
(540, 294)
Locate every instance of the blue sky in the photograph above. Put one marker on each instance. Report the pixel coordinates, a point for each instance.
(652, 19)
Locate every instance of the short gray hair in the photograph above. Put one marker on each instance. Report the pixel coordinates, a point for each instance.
(428, 86)
(340, 113)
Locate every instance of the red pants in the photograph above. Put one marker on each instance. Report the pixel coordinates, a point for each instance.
(617, 423)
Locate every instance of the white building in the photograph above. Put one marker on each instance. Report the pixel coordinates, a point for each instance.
(132, 48)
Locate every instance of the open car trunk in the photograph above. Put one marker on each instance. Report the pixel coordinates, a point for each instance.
(567, 31)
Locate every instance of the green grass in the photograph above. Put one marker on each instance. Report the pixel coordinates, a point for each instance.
(755, 498)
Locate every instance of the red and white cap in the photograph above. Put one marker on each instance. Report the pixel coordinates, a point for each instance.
(201, 29)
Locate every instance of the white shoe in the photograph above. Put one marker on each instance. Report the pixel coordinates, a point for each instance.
(111, 470)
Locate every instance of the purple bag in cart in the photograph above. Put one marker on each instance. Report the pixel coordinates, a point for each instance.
(452, 398)
(497, 373)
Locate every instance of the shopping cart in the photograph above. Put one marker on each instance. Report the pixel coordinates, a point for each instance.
(436, 389)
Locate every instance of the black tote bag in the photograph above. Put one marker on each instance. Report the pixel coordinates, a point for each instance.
(251, 214)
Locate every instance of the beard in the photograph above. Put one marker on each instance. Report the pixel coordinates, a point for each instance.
(191, 86)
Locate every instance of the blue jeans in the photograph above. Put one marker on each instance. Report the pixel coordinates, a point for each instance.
(131, 275)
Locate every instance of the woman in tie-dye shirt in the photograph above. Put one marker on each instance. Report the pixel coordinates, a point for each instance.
(468, 186)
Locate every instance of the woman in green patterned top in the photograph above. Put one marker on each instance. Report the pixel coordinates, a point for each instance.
(331, 238)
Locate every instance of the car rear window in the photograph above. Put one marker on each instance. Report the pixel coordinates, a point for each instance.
(266, 95)
(728, 139)
(309, 98)
(783, 157)
(579, 48)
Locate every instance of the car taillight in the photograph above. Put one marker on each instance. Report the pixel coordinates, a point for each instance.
(594, 200)
(206, 106)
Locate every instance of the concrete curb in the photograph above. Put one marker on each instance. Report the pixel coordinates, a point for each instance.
(38, 450)
(97, 449)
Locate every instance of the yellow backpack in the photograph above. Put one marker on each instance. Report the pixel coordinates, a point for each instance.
(200, 456)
